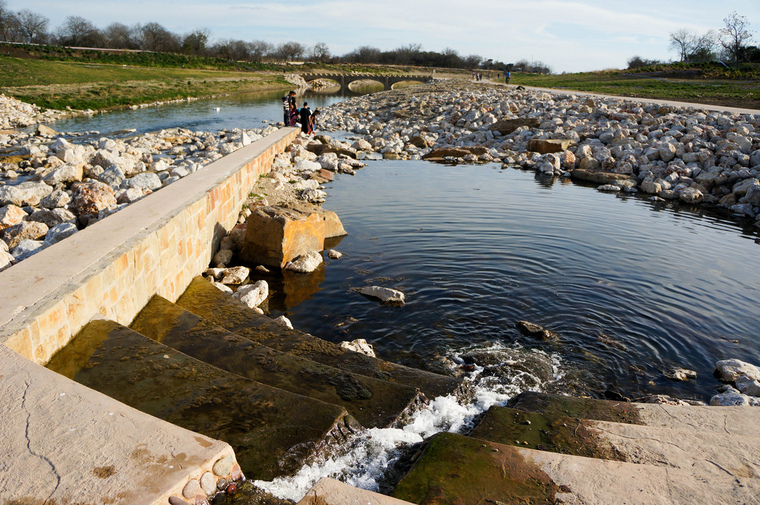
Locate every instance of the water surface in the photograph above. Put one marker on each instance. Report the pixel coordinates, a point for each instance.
(631, 287)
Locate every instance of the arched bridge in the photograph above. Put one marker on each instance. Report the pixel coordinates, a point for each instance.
(386, 80)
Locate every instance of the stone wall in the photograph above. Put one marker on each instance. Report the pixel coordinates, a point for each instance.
(112, 268)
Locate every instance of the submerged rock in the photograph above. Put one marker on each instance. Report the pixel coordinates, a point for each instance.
(386, 295)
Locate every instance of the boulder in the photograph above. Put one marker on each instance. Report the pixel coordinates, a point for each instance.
(385, 295)
(277, 235)
(144, 181)
(45, 131)
(26, 248)
(535, 330)
(306, 263)
(59, 232)
(52, 217)
(507, 126)
(56, 199)
(26, 193)
(92, 197)
(731, 369)
(333, 226)
(69, 172)
(748, 386)
(545, 146)
(25, 230)
(235, 275)
(598, 177)
(6, 260)
(11, 215)
(730, 398)
(252, 295)
(359, 345)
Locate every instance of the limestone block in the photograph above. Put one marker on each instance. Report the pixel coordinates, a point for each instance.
(277, 235)
(507, 126)
(333, 226)
(545, 146)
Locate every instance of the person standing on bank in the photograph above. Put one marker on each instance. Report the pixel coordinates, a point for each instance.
(305, 118)
(289, 106)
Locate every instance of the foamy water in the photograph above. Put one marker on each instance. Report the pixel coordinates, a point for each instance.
(371, 455)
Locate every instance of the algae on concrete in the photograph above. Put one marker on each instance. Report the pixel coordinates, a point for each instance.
(205, 300)
(373, 402)
(273, 432)
(457, 470)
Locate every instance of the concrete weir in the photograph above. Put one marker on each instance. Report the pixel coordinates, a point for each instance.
(63, 442)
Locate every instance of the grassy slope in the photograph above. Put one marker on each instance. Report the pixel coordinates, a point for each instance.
(734, 93)
(56, 85)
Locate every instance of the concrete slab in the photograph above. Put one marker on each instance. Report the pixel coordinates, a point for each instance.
(205, 300)
(740, 421)
(273, 432)
(333, 492)
(720, 454)
(65, 443)
(375, 403)
(453, 469)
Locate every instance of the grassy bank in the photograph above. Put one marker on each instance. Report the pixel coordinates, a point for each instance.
(728, 92)
(56, 85)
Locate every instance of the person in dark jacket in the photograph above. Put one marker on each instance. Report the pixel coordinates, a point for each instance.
(305, 118)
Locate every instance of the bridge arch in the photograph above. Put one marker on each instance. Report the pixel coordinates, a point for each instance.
(386, 80)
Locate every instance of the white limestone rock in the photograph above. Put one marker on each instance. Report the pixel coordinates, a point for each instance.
(221, 287)
(6, 259)
(306, 263)
(235, 275)
(252, 295)
(334, 255)
(59, 232)
(730, 398)
(386, 295)
(26, 248)
(145, 181)
(732, 369)
(359, 345)
(26, 193)
(284, 321)
(222, 258)
(748, 386)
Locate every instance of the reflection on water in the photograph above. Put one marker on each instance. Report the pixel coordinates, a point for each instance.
(245, 110)
(631, 287)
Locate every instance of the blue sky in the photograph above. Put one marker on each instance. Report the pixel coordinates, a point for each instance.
(569, 36)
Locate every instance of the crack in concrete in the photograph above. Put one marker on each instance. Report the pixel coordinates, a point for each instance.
(716, 464)
(27, 385)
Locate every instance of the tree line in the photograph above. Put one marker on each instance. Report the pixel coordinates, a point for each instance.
(29, 27)
(732, 44)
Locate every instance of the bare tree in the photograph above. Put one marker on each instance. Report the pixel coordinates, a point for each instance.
(320, 52)
(704, 48)
(290, 51)
(10, 29)
(682, 41)
(32, 27)
(195, 42)
(77, 31)
(155, 37)
(258, 50)
(120, 36)
(735, 34)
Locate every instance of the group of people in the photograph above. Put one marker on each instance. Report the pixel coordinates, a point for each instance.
(293, 116)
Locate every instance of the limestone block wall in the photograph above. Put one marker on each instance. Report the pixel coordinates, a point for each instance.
(112, 268)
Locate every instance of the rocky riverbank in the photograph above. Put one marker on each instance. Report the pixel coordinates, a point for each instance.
(687, 155)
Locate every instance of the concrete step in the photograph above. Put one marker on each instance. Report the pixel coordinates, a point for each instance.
(373, 402)
(65, 443)
(273, 432)
(740, 421)
(707, 452)
(207, 301)
(454, 469)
